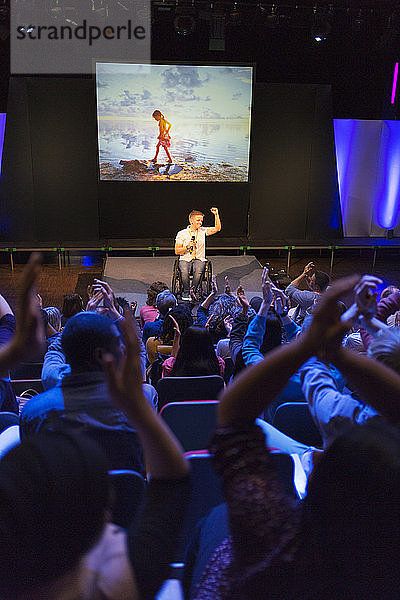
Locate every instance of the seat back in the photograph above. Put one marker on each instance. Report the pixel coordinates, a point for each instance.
(206, 493)
(7, 419)
(176, 389)
(128, 494)
(207, 490)
(122, 449)
(295, 420)
(284, 466)
(192, 422)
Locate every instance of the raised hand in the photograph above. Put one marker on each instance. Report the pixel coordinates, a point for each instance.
(29, 338)
(133, 307)
(366, 292)
(326, 332)
(214, 286)
(227, 286)
(125, 379)
(241, 299)
(94, 301)
(163, 453)
(109, 301)
(308, 269)
(176, 324)
(281, 305)
(210, 318)
(228, 322)
(266, 286)
(214, 210)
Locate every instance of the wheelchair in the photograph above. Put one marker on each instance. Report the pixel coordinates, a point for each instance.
(205, 281)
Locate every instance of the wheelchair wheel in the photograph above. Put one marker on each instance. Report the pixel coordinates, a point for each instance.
(208, 276)
(176, 283)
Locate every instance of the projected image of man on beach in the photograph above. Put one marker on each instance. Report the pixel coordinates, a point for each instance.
(173, 122)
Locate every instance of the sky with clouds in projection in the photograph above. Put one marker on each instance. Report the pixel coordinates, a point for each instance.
(180, 92)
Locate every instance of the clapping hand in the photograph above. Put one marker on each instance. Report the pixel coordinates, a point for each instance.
(366, 292)
(109, 303)
(267, 287)
(227, 287)
(327, 330)
(214, 286)
(308, 269)
(228, 322)
(29, 338)
(281, 305)
(133, 307)
(176, 325)
(242, 300)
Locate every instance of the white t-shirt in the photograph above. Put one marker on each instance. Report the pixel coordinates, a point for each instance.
(184, 237)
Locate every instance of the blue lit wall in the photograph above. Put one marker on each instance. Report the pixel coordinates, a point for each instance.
(368, 166)
(2, 129)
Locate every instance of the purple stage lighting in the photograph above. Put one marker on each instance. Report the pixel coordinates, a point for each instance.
(394, 85)
(2, 130)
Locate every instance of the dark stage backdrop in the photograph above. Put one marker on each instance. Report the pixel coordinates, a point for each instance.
(295, 192)
(50, 192)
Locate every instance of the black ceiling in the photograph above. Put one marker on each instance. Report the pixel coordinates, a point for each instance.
(356, 58)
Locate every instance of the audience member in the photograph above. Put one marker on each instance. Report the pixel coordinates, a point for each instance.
(316, 280)
(55, 494)
(77, 395)
(149, 311)
(7, 329)
(260, 544)
(195, 357)
(53, 320)
(353, 503)
(72, 305)
(164, 301)
(213, 311)
(264, 333)
(183, 317)
(332, 408)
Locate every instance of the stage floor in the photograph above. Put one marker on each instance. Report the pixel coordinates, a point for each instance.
(130, 277)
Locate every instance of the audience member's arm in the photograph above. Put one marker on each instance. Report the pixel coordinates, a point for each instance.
(281, 303)
(54, 365)
(256, 329)
(177, 337)
(29, 337)
(152, 542)
(217, 223)
(330, 408)
(252, 341)
(386, 307)
(307, 272)
(163, 453)
(377, 384)
(254, 389)
(239, 328)
(211, 296)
